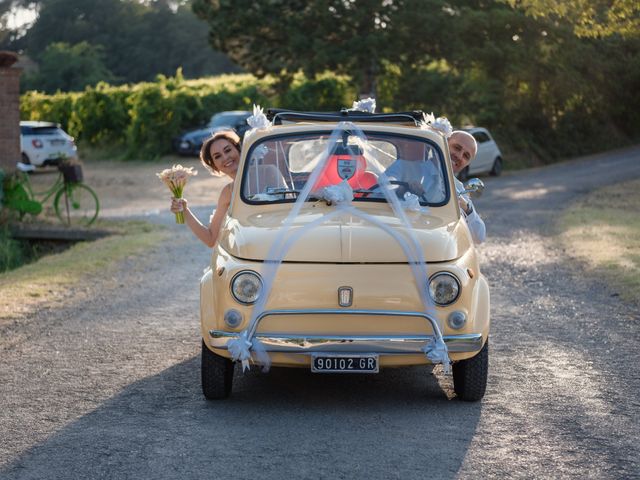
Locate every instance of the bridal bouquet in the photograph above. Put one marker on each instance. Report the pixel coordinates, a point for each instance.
(176, 178)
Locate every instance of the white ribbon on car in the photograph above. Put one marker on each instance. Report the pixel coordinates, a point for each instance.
(340, 196)
(258, 119)
(365, 105)
(440, 124)
(239, 349)
(411, 202)
(436, 351)
(337, 194)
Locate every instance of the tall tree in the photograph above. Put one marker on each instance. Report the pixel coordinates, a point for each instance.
(139, 39)
(353, 37)
(69, 68)
(590, 18)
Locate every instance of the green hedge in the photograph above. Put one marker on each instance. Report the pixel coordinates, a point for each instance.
(143, 118)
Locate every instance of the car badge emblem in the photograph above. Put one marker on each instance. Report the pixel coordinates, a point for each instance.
(345, 296)
(346, 168)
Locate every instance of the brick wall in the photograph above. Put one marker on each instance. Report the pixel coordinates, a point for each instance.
(9, 118)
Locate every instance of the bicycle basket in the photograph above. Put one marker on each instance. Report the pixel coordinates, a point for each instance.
(71, 173)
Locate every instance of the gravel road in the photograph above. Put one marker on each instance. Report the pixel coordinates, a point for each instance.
(109, 388)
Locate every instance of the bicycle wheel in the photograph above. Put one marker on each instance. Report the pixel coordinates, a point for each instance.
(76, 204)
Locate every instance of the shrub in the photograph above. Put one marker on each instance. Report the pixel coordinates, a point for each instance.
(12, 253)
(327, 93)
(100, 115)
(57, 107)
(143, 118)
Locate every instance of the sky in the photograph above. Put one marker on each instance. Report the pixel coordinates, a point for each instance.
(19, 17)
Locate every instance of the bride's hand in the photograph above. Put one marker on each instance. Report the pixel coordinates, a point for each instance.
(178, 205)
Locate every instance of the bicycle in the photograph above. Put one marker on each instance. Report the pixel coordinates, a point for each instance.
(74, 203)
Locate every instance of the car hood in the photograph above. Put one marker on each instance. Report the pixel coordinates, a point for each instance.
(343, 239)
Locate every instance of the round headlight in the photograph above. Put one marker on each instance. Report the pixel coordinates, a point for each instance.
(444, 288)
(246, 287)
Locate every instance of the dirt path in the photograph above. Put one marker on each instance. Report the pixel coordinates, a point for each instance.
(132, 188)
(110, 388)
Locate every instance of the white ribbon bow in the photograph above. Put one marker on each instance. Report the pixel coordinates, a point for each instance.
(239, 348)
(258, 119)
(341, 193)
(440, 124)
(365, 105)
(436, 351)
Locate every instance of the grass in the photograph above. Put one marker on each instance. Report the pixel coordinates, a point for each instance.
(602, 230)
(49, 280)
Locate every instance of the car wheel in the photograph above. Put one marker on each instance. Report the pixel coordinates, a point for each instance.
(463, 175)
(217, 375)
(25, 159)
(470, 376)
(497, 167)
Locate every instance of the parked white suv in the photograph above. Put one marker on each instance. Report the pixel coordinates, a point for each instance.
(45, 143)
(488, 159)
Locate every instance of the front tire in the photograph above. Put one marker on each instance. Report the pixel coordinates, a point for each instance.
(470, 376)
(497, 167)
(217, 375)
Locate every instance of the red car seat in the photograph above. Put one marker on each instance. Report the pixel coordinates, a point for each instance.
(352, 168)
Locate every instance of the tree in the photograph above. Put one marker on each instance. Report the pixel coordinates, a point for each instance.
(70, 68)
(353, 37)
(589, 18)
(139, 39)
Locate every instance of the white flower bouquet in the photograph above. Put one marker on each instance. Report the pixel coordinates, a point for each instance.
(176, 178)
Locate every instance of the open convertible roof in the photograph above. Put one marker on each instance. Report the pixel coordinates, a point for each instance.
(280, 116)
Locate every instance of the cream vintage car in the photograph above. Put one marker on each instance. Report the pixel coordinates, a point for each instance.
(344, 250)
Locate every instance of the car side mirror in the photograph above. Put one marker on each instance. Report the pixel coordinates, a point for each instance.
(474, 187)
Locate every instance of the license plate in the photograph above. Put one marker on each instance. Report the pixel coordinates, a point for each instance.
(344, 363)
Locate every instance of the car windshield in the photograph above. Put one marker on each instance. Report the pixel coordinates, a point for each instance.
(40, 130)
(224, 120)
(278, 168)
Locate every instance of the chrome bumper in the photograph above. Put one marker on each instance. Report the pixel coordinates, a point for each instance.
(381, 344)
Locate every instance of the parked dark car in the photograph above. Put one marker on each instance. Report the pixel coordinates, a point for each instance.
(189, 143)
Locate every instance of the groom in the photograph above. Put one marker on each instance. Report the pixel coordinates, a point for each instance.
(463, 149)
(424, 179)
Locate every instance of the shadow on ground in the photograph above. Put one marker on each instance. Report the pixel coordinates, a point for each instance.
(284, 424)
